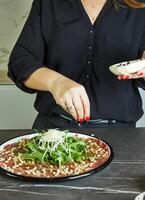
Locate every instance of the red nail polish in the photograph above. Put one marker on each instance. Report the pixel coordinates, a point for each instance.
(121, 77)
(125, 77)
(140, 74)
(81, 120)
(87, 119)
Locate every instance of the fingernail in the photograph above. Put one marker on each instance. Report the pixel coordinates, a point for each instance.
(119, 77)
(140, 74)
(87, 119)
(81, 120)
(125, 77)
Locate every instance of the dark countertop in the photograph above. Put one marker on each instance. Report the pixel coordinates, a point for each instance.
(123, 179)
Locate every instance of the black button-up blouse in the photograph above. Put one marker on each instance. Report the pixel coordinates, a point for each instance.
(58, 34)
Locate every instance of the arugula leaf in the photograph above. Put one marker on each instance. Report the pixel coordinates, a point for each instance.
(57, 152)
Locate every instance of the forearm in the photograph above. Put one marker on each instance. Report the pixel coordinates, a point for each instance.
(43, 79)
(70, 95)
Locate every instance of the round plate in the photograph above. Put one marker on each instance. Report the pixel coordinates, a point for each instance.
(29, 136)
(141, 196)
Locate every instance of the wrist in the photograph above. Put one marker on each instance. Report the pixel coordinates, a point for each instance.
(55, 81)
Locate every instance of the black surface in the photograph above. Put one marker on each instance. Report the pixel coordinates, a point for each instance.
(123, 179)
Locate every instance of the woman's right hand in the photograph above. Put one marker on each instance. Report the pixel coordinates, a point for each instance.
(72, 97)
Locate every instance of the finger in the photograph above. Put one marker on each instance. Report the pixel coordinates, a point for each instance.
(141, 73)
(131, 76)
(119, 77)
(79, 108)
(86, 104)
(123, 77)
(70, 108)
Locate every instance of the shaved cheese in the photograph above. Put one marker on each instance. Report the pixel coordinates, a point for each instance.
(53, 136)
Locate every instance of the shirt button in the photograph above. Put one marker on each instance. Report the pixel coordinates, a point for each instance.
(89, 62)
(87, 76)
(91, 32)
(90, 47)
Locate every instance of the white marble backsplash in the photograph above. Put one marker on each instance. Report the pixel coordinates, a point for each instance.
(13, 14)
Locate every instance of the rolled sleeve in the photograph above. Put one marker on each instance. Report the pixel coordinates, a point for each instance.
(28, 53)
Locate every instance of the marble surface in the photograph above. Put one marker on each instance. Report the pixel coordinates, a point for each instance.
(13, 14)
(123, 179)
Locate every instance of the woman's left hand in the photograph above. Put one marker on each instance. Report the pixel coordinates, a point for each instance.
(139, 74)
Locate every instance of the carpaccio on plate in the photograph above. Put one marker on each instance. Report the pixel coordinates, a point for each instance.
(53, 154)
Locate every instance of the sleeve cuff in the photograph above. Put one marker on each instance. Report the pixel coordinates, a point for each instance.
(24, 74)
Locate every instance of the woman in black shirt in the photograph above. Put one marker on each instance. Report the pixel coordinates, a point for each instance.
(64, 53)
